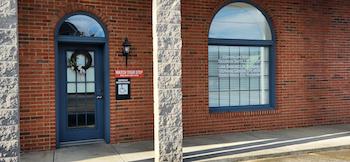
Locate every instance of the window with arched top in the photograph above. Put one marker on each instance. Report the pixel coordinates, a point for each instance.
(240, 59)
(81, 26)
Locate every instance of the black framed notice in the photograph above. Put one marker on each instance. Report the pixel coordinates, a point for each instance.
(122, 88)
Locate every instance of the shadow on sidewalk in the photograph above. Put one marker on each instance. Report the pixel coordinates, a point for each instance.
(256, 146)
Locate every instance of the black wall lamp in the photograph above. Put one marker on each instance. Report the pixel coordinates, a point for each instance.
(126, 50)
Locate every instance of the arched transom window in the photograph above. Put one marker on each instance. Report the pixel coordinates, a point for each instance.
(240, 59)
(82, 26)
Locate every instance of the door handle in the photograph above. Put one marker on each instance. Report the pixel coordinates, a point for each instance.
(99, 97)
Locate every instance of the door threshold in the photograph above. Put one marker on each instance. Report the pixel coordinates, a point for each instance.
(81, 142)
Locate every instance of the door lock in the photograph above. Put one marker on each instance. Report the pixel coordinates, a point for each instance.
(98, 97)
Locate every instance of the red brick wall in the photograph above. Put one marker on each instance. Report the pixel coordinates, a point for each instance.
(130, 119)
(312, 67)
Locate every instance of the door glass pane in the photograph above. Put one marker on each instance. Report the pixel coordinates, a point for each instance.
(81, 77)
(71, 87)
(70, 75)
(90, 119)
(90, 74)
(68, 56)
(81, 103)
(81, 87)
(90, 87)
(81, 119)
(92, 58)
(72, 122)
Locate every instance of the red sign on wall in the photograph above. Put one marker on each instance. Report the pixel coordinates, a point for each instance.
(129, 74)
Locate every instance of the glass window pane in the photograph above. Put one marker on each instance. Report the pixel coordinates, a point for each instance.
(79, 106)
(70, 75)
(234, 51)
(265, 83)
(80, 60)
(254, 83)
(90, 103)
(71, 88)
(240, 21)
(72, 120)
(213, 84)
(81, 87)
(234, 83)
(254, 97)
(224, 98)
(90, 119)
(92, 58)
(264, 52)
(213, 99)
(90, 87)
(265, 68)
(242, 60)
(247, 81)
(80, 77)
(244, 98)
(81, 119)
(213, 53)
(71, 103)
(224, 84)
(213, 68)
(244, 83)
(264, 95)
(244, 51)
(68, 56)
(81, 26)
(224, 52)
(90, 74)
(234, 98)
(254, 51)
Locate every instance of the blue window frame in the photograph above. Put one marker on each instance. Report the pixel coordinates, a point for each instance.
(241, 48)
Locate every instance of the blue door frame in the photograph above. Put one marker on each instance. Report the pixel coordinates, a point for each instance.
(84, 133)
(103, 44)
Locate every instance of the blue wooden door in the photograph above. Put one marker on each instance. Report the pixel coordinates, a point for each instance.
(80, 93)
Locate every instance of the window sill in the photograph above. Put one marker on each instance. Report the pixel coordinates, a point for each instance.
(249, 108)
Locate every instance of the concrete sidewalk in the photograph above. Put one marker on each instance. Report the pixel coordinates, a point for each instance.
(342, 155)
(227, 147)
